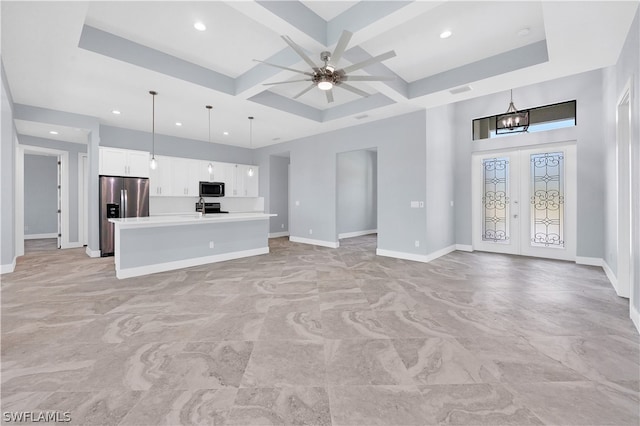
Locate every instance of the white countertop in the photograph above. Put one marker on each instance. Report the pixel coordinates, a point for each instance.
(187, 219)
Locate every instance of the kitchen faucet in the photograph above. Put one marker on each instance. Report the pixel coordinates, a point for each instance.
(201, 204)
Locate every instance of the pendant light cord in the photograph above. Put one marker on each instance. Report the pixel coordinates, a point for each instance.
(153, 94)
(209, 108)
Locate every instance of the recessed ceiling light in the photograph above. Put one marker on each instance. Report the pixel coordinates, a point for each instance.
(53, 132)
(115, 111)
(524, 32)
(446, 34)
(178, 123)
(199, 26)
(225, 133)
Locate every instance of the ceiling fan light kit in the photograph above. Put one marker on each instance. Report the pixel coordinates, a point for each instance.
(328, 76)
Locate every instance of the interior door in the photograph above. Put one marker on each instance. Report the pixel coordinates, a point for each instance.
(524, 202)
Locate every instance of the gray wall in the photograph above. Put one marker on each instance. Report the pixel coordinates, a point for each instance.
(586, 88)
(73, 149)
(441, 172)
(401, 148)
(279, 193)
(357, 191)
(41, 195)
(615, 79)
(173, 146)
(7, 182)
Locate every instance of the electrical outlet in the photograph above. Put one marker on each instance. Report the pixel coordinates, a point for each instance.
(451, 203)
(210, 244)
(297, 203)
(310, 231)
(282, 226)
(417, 243)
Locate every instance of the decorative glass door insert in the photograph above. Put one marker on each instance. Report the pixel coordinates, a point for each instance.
(547, 199)
(495, 199)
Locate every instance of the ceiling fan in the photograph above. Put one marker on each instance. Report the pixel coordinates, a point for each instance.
(329, 76)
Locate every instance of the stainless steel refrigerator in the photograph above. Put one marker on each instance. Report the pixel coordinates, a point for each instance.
(120, 197)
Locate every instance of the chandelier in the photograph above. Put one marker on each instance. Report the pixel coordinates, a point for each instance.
(513, 120)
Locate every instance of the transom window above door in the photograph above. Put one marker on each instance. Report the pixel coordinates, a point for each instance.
(548, 117)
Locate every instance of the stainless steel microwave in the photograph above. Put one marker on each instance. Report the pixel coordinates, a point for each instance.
(211, 189)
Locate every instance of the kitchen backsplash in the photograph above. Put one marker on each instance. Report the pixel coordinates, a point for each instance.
(181, 205)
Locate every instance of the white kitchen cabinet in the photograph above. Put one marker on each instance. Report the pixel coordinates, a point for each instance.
(245, 185)
(251, 183)
(160, 178)
(123, 162)
(203, 171)
(185, 177)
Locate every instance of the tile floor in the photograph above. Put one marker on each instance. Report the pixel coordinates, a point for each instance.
(316, 336)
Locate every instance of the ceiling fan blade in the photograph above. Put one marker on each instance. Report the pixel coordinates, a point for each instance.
(382, 57)
(368, 77)
(284, 82)
(353, 89)
(284, 68)
(300, 52)
(329, 94)
(304, 91)
(341, 46)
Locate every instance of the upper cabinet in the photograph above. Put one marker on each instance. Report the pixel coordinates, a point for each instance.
(160, 178)
(123, 162)
(245, 181)
(180, 177)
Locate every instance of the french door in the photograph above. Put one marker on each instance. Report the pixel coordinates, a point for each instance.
(524, 202)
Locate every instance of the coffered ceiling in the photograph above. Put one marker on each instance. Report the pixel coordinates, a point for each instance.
(92, 58)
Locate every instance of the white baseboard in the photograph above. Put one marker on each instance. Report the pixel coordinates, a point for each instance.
(357, 234)
(187, 263)
(330, 244)
(464, 247)
(92, 253)
(425, 258)
(439, 253)
(40, 236)
(590, 261)
(612, 277)
(402, 255)
(278, 234)
(635, 316)
(7, 269)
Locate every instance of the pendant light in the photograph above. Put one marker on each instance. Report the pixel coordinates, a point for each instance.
(512, 121)
(250, 171)
(210, 166)
(154, 162)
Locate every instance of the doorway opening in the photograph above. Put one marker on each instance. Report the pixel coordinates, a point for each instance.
(28, 200)
(357, 197)
(524, 202)
(279, 203)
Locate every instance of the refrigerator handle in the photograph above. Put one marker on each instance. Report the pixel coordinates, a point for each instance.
(123, 203)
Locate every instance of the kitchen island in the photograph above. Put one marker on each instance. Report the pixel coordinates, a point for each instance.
(147, 245)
